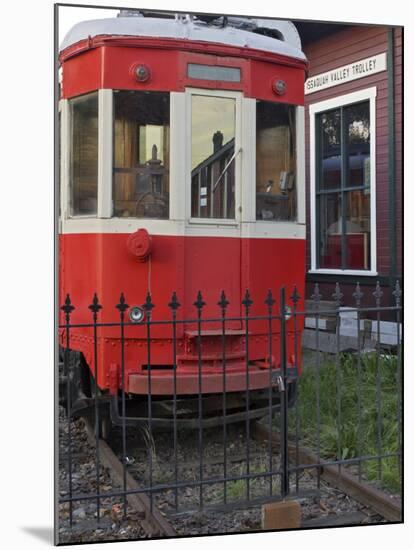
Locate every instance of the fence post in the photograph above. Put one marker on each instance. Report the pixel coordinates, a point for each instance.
(199, 304)
(67, 308)
(174, 305)
(122, 307)
(95, 307)
(247, 303)
(283, 399)
(148, 307)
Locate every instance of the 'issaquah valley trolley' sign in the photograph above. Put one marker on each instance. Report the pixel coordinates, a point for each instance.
(340, 75)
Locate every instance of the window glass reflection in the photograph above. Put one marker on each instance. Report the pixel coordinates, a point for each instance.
(275, 162)
(84, 155)
(343, 187)
(213, 121)
(357, 119)
(331, 150)
(358, 229)
(330, 230)
(141, 154)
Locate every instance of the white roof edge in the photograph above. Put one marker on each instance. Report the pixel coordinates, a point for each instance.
(188, 29)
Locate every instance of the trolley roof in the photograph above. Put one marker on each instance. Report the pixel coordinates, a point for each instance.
(238, 32)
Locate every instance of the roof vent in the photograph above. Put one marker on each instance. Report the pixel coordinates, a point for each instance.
(273, 33)
(130, 13)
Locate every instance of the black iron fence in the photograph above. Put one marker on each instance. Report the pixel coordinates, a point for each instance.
(332, 398)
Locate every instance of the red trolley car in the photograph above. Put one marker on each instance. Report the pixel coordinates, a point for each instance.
(182, 169)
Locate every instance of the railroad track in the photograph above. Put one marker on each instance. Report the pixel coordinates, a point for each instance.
(388, 507)
(375, 504)
(153, 522)
(342, 499)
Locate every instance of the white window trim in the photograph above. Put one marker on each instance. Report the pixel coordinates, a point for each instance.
(64, 158)
(105, 154)
(244, 224)
(189, 92)
(314, 108)
(177, 155)
(248, 162)
(300, 165)
(280, 228)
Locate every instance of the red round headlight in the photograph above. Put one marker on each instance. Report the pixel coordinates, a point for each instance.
(139, 244)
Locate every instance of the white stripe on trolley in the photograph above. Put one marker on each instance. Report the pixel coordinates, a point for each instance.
(253, 230)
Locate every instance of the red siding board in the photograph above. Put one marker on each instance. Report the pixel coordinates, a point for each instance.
(358, 48)
(346, 38)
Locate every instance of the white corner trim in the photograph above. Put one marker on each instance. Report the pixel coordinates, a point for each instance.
(177, 155)
(314, 108)
(312, 161)
(248, 160)
(300, 165)
(64, 157)
(105, 156)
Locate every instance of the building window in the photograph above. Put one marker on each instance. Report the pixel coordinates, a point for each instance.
(275, 162)
(84, 155)
(213, 130)
(342, 186)
(141, 154)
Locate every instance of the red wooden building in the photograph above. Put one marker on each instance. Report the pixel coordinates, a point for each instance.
(353, 123)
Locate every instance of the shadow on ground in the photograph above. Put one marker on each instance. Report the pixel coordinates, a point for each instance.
(45, 534)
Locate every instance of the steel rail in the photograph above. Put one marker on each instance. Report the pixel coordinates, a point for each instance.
(388, 507)
(153, 523)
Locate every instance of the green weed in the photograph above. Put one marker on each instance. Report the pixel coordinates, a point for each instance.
(358, 412)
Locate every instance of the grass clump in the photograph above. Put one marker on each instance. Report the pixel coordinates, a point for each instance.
(358, 412)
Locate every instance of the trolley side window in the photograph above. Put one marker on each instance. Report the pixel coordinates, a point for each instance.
(141, 154)
(84, 155)
(213, 126)
(275, 162)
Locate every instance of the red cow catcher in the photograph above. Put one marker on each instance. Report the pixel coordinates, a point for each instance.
(182, 175)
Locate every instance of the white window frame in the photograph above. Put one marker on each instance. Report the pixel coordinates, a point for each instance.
(104, 221)
(315, 108)
(64, 159)
(105, 152)
(235, 222)
(180, 221)
(66, 140)
(286, 229)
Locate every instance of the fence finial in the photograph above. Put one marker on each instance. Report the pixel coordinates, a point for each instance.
(148, 305)
(199, 303)
(270, 301)
(223, 302)
(247, 302)
(377, 294)
(122, 306)
(67, 307)
(358, 295)
(295, 297)
(337, 295)
(174, 304)
(397, 294)
(316, 296)
(95, 305)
